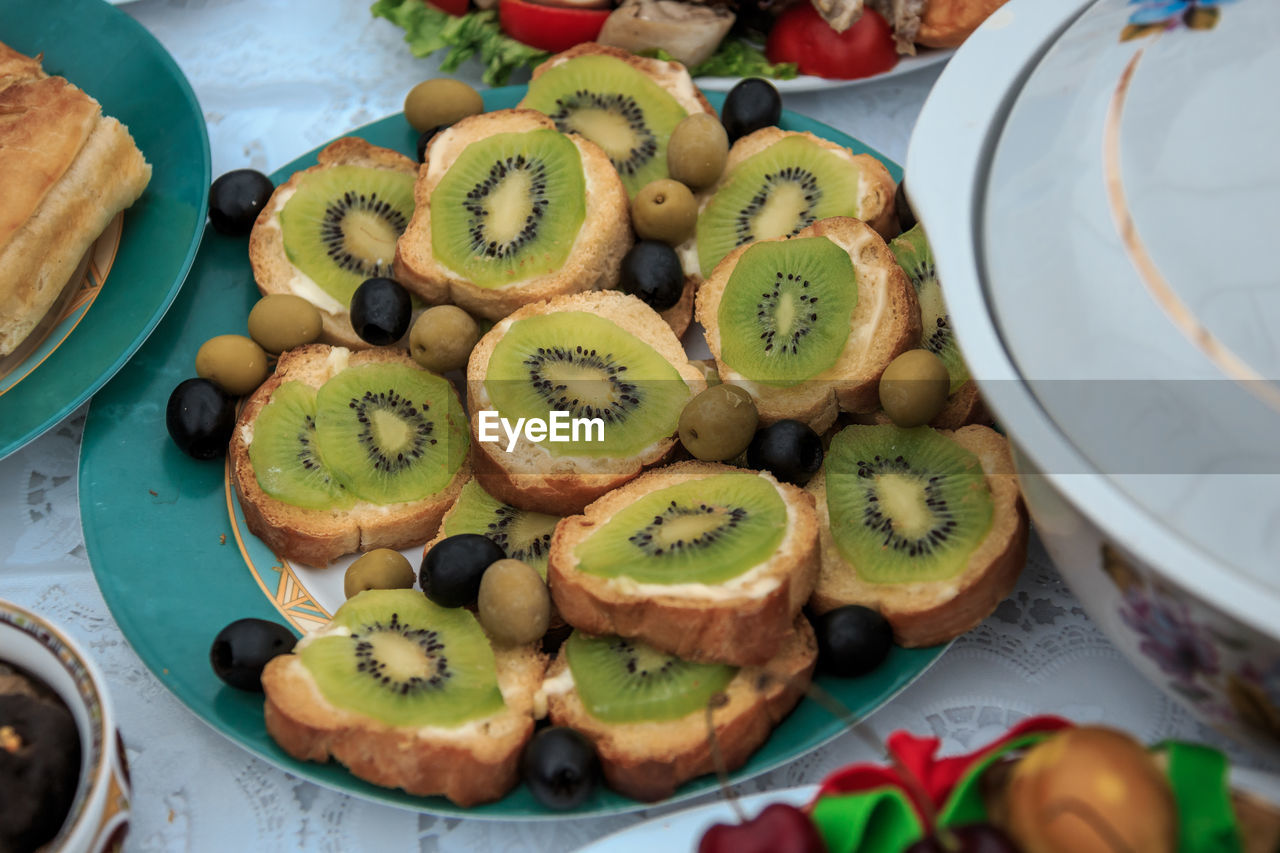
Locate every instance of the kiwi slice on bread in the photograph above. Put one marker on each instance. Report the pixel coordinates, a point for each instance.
(284, 454)
(627, 681)
(785, 312)
(405, 661)
(707, 531)
(515, 203)
(619, 107)
(911, 248)
(389, 432)
(592, 368)
(776, 192)
(927, 526)
(341, 225)
(905, 504)
(521, 534)
(648, 713)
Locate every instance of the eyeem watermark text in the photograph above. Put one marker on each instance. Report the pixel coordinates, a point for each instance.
(561, 426)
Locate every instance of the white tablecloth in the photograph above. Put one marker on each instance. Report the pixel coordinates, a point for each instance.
(276, 79)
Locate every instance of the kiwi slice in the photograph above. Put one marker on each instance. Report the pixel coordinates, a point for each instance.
(708, 531)
(341, 225)
(510, 208)
(786, 310)
(614, 105)
(775, 193)
(406, 661)
(912, 251)
(590, 367)
(285, 458)
(390, 433)
(627, 681)
(905, 504)
(521, 534)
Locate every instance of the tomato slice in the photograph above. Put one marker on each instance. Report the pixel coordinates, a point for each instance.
(800, 35)
(552, 28)
(453, 7)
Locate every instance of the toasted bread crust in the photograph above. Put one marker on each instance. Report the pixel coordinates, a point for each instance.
(680, 316)
(317, 537)
(744, 628)
(947, 23)
(271, 267)
(933, 612)
(468, 767)
(531, 477)
(593, 261)
(885, 323)
(648, 761)
(671, 76)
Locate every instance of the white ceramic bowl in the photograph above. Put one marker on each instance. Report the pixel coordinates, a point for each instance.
(1093, 178)
(99, 815)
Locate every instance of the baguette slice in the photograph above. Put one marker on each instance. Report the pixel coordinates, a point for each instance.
(65, 172)
(272, 269)
(476, 762)
(649, 760)
(317, 537)
(530, 477)
(885, 322)
(670, 75)
(744, 621)
(933, 612)
(593, 262)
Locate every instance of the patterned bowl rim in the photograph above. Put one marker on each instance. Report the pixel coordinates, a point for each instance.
(91, 689)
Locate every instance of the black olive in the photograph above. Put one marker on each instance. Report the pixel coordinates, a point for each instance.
(852, 640)
(561, 768)
(200, 417)
(452, 569)
(236, 199)
(751, 104)
(652, 272)
(789, 450)
(244, 647)
(380, 311)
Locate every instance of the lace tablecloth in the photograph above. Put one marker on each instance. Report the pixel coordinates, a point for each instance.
(275, 79)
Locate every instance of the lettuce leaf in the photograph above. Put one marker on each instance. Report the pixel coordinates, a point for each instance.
(428, 29)
(736, 58)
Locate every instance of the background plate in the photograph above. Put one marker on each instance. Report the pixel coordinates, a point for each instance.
(926, 58)
(163, 548)
(110, 56)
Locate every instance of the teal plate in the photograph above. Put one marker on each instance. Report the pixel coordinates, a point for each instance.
(110, 56)
(164, 537)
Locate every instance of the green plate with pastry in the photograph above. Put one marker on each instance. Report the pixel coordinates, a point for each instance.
(197, 568)
(86, 330)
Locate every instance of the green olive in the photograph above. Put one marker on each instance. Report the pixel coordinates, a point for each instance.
(432, 103)
(697, 151)
(283, 321)
(443, 337)
(718, 423)
(514, 605)
(664, 210)
(381, 568)
(232, 362)
(914, 388)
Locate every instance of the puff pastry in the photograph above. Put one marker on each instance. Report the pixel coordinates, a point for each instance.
(66, 171)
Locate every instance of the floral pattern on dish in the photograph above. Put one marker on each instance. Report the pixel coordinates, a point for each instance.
(1223, 671)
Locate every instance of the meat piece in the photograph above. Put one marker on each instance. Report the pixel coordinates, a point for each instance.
(840, 14)
(690, 32)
